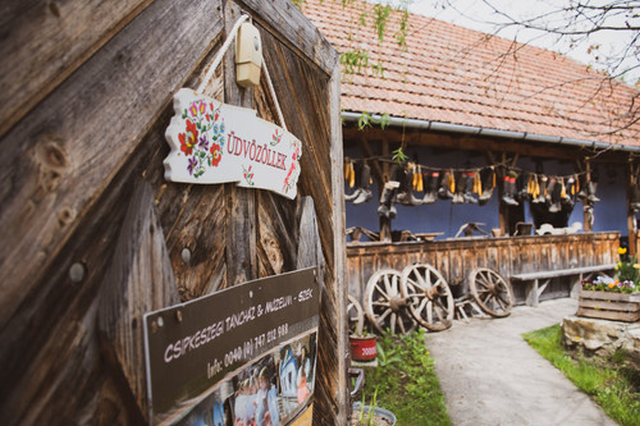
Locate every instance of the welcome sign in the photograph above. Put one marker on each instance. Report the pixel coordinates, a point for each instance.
(212, 142)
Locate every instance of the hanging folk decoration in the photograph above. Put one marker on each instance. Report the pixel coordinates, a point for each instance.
(212, 142)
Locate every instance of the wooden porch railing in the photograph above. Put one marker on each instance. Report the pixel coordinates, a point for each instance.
(455, 259)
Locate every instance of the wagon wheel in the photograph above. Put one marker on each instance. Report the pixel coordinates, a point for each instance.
(429, 297)
(355, 315)
(491, 292)
(384, 305)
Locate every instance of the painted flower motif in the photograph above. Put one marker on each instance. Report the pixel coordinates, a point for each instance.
(188, 139)
(216, 154)
(248, 175)
(193, 162)
(193, 109)
(204, 143)
(276, 138)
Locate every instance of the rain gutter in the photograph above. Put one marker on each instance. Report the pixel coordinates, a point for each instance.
(482, 131)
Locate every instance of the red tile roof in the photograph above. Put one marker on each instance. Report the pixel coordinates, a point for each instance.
(455, 75)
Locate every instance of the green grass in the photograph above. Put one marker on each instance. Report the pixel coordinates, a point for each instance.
(613, 386)
(405, 382)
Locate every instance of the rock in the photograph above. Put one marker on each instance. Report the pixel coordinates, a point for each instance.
(602, 337)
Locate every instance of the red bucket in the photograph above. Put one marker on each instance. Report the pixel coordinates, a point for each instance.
(363, 348)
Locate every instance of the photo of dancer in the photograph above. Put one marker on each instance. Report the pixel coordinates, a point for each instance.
(255, 402)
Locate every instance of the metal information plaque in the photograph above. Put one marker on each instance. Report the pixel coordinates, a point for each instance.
(244, 355)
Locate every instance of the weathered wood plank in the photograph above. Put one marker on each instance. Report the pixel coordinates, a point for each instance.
(610, 315)
(610, 305)
(287, 23)
(54, 372)
(43, 42)
(139, 280)
(61, 157)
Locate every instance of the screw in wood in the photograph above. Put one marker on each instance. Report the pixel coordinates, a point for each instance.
(77, 272)
(179, 316)
(186, 255)
(160, 322)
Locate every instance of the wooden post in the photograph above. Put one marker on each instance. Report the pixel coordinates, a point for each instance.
(631, 216)
(385, 223)
(588, 209)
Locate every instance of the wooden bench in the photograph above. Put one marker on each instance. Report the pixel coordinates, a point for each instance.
(537, 282)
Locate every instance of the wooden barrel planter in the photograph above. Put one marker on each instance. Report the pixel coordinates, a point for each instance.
(609, 306)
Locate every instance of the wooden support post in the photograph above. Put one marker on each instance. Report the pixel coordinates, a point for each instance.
(631, 216)
(588, 210)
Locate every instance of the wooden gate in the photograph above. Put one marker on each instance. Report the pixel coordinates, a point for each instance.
(93, 236)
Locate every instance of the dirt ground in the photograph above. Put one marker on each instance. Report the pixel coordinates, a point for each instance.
(491, 376)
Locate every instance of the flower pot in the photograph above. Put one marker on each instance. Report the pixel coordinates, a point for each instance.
(609, 305)
(387, 416)
(363, 348)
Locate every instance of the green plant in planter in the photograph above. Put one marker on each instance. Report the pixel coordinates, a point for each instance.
(628, 276)
(627, 267)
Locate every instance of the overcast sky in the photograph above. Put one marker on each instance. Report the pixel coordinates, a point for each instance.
(477, 15)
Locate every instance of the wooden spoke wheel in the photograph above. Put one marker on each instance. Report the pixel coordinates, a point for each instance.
(429, 298)
(491, 292)
(384, 305)
(355, 315)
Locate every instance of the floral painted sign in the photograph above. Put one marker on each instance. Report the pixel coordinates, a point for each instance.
(212, 142)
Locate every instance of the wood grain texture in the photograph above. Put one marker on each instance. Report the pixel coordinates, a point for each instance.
(71, 167)
(139, 280)
(60, 157)
(295, 31)
(43, 42)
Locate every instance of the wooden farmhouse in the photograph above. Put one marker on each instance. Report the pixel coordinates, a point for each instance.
(518, 159)
(95, 236)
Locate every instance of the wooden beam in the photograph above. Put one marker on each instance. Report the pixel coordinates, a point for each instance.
(468, 142)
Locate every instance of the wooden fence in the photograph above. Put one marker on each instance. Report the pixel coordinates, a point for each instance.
(456, 258)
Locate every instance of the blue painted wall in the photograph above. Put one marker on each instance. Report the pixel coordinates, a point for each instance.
(443, 216)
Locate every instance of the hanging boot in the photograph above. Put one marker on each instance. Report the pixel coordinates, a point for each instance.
(387, 200)
(468, 189)
(432, 180)
(487, 177)
(541, 191)
(461, 181)
(523, 184)
(444, 192)
(582, 186)
(405, 192)
(364, 186)
(509, 189)
(591, 192)
(568, 195)
(554, 191)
